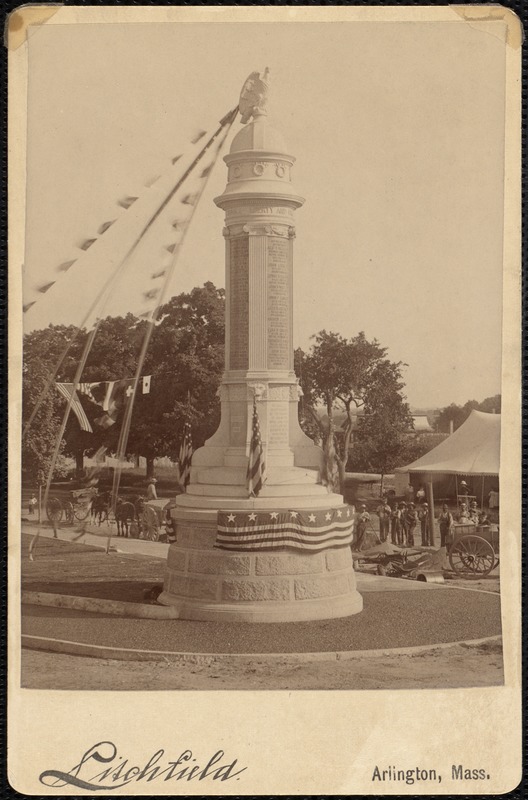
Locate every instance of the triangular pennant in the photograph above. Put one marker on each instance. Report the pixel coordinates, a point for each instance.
(44, 289)
(171, 247)
(176, 158)
(206, 171)
(198, 136)
(87, 243)
(127, 202)
(152, 181)
(65, 266)
(178, 225)
(28, 306)
(104, 227)
(190, 199)
(151, 294)
(159, 274)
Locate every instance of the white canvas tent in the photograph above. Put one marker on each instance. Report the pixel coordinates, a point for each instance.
(473, 449)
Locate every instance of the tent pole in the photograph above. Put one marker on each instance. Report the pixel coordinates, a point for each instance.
(430, 503)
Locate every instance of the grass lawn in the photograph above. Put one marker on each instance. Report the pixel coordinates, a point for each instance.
(85, 571)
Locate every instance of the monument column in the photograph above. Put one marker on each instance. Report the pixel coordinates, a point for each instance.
(259, 203)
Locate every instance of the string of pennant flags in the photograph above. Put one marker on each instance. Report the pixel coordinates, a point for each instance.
(192, 200)
(110, 395)
(101, 299)
(157, 296)
(125, 203)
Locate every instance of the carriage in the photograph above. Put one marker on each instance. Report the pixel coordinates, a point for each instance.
(75, 506)
(473, 550)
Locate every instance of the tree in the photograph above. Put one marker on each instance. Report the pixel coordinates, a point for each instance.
(344, 375)
(38, 444)
(185, 359)
(457, 415)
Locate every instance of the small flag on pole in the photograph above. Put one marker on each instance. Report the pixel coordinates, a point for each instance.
(159, 274)
(185, 455)
(206, 171)
(176, 158)
(171, 247)
(28, 306)
(190, 199)
(256, 466)
(151, 294)
(146, 384)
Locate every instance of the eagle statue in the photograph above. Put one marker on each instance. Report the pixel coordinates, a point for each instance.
(254, 95)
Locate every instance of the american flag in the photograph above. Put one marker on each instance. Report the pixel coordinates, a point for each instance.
(186, 455)
(256, 466)
(67, 390)
(307, 529)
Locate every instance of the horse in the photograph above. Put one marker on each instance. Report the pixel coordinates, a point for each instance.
(100, 507)
(125, 512)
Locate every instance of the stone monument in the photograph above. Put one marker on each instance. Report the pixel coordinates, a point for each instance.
(263, 575)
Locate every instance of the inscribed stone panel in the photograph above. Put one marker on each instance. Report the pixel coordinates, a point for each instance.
(279, 303)
(239, 304)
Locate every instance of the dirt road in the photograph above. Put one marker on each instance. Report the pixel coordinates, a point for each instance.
(455, 666)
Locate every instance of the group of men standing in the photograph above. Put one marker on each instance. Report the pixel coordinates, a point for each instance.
(400, 521)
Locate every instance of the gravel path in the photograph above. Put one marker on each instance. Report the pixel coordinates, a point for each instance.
(389, 620)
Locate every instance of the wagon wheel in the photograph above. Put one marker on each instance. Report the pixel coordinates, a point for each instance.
(69, 512)
(82, 509)
(150, 524)
(472, 556)
(54, 509)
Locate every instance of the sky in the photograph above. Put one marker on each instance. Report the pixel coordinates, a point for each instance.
(398, 134)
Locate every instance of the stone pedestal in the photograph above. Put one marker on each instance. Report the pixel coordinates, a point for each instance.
(259, 203)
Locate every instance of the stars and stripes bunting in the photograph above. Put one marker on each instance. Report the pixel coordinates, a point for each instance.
(67, 391)
(185, 456)
(313, 530)
(256, 465)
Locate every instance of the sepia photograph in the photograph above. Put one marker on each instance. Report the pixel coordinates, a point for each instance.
(267, 302)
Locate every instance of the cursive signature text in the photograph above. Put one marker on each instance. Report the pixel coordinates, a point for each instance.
(118, 772)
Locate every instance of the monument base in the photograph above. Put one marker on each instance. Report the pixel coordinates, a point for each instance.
(209, 584)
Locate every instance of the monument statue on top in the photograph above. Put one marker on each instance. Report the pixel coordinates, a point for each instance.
(254, 95)
(284, 554)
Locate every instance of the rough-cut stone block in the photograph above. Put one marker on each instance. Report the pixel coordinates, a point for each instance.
(202, 588)
(274, 589)
(329, 586)
(289, 564)
(216, 564)
(338, 559)
(176, 559)
(199, 538)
